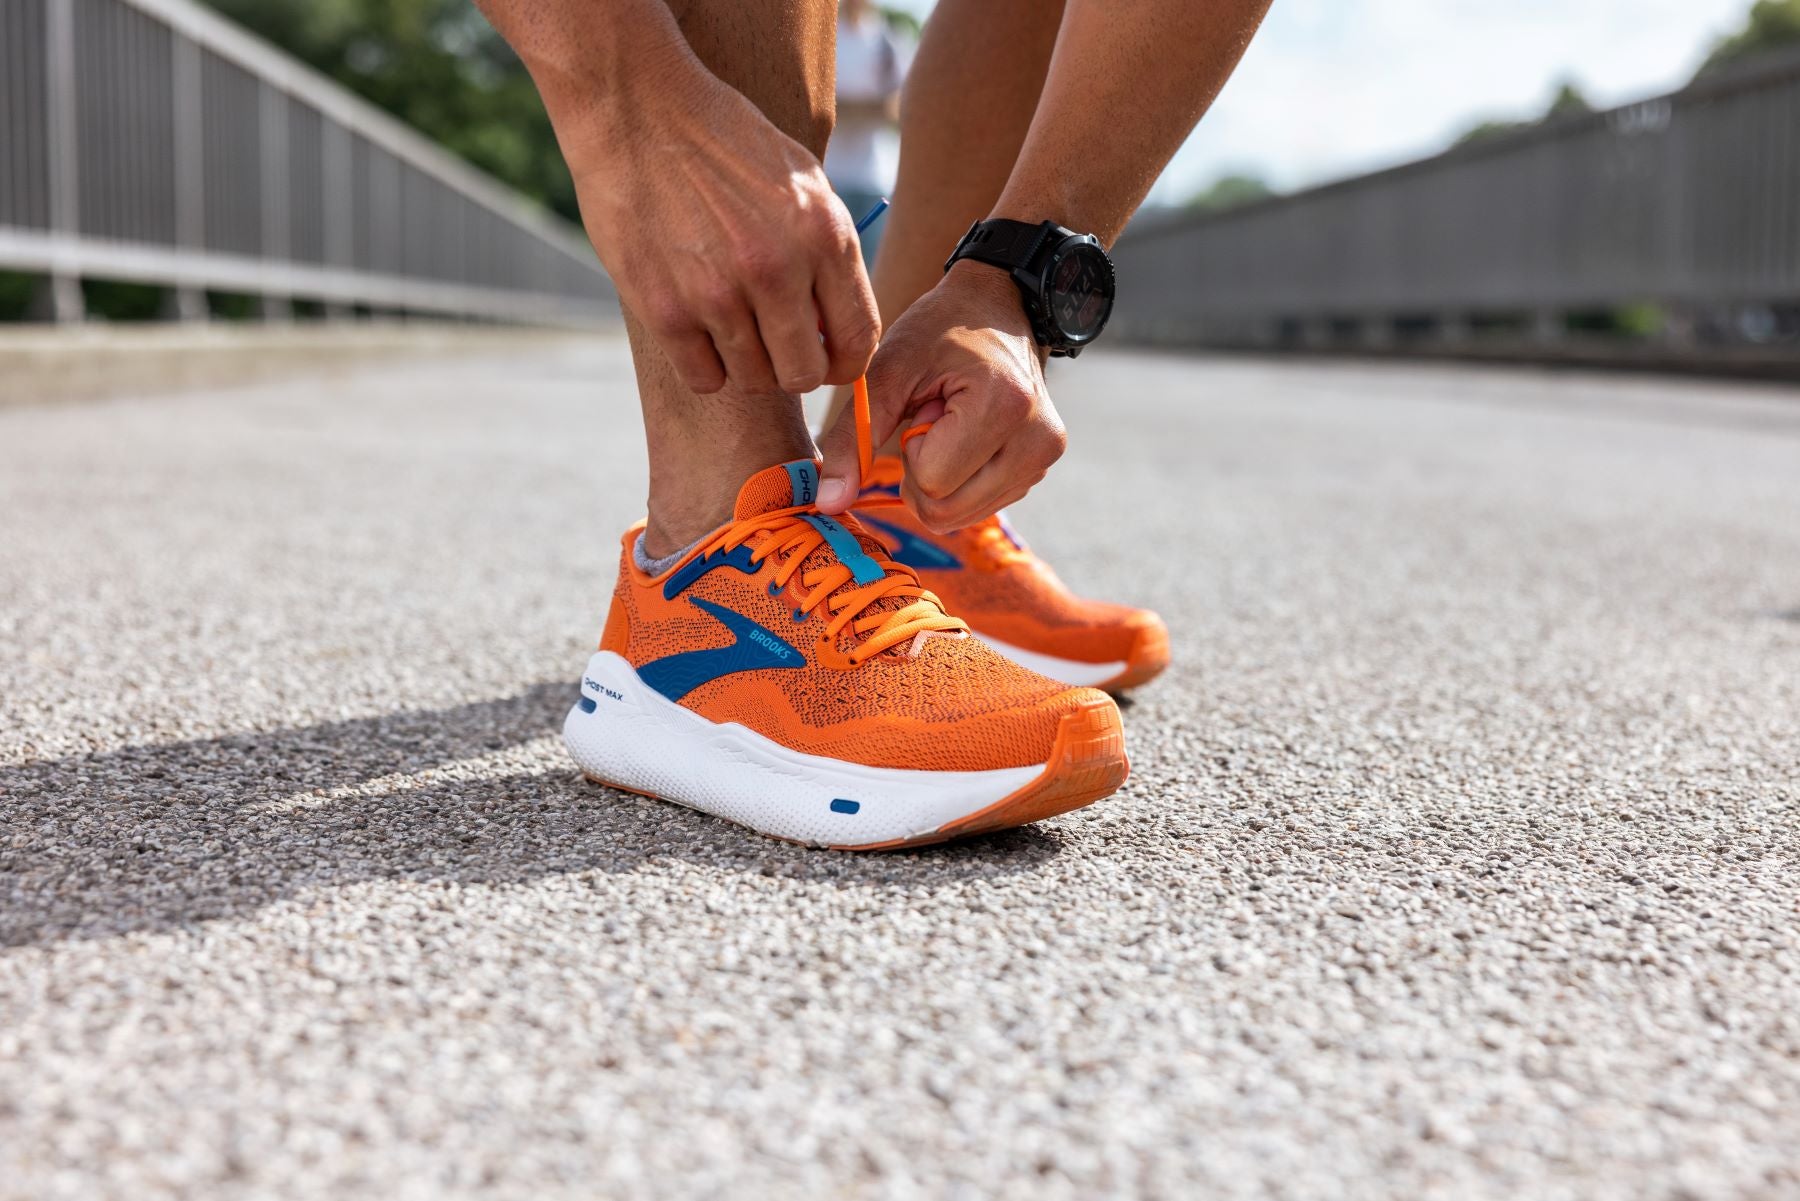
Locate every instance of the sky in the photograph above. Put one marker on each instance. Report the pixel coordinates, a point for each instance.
(1336, 87)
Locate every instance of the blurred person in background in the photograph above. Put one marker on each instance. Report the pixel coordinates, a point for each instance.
(766, 657)
(871, 66)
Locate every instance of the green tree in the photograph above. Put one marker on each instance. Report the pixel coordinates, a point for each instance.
(1771, 24)
(1568, 100)
(1229, 192)
(436, 65)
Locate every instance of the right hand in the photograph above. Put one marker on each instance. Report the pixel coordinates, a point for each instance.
(724, 238)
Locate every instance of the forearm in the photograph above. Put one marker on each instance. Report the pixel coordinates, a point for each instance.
(607, 69)
(1128, 82)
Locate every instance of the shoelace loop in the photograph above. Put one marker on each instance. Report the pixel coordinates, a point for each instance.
(791, 540)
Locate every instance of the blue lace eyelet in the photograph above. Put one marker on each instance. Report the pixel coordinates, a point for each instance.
(774, 588)
(799, 616)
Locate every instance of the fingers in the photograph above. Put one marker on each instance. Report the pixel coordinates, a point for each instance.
(690, 351)
(713, 342)
(969, 467)
(773, 347)
(840, 477)
(790, 332)
(766, 337)
(740, 345)
(847, 314)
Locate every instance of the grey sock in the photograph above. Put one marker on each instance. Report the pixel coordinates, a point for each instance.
(650, 566)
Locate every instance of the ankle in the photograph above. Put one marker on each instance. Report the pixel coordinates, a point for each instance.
(682, 521)
(686, 506)
(697, 467)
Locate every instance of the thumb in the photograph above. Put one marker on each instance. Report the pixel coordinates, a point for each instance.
(841, 476)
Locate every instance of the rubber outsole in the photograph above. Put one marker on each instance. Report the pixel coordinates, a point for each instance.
(1149, 658)
(1087, 763)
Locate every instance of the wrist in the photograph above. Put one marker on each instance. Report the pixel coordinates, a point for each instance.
(992, 286)
(997, 295)
(1060, 201)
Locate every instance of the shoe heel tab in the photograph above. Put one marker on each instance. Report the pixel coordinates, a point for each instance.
(628, 568)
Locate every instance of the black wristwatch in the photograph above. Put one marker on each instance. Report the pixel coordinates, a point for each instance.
(1064, 278)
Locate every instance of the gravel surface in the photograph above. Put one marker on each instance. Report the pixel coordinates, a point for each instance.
(1460, 858)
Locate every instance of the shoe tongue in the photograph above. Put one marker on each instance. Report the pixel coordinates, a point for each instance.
(779, 487)
(786, 485)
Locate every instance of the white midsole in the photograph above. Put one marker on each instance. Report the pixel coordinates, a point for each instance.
(1069, 671)
(639, 739)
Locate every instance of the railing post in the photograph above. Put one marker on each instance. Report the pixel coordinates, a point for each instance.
(62, 301)
(189, 303)
(335, 178)
(1376, 332)
(1455, 329)
(277, 237)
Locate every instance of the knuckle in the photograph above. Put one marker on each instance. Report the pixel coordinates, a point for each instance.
(935, 515)
(666, 315)
(760, 268)
(856, 329)
(803, 379)
(929, 485)
(1016, 404)
(832, 227)
(715, 300)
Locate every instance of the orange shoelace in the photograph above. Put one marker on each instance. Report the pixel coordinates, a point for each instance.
(997, 545)
(790, 538)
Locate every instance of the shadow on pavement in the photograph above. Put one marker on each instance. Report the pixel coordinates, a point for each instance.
(163, 837)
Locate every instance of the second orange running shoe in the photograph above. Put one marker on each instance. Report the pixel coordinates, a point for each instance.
(988, 577)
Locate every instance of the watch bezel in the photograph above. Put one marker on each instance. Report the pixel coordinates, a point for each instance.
(1062, 338)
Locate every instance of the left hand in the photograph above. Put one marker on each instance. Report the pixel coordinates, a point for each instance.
(963, 358)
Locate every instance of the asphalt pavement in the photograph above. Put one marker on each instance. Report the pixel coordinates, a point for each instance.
(1460, 858)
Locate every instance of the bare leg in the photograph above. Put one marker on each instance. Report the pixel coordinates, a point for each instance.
(967, 106)
(780, 54)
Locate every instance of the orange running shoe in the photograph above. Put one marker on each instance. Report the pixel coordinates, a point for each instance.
(987, 576)
(788, 675)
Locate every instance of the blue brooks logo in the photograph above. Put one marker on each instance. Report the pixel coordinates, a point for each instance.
(752, 648)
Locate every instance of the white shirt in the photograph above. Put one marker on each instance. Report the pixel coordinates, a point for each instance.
(871, 62)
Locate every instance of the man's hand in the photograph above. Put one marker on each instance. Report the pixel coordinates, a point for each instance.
(723, 236)
(963, 358)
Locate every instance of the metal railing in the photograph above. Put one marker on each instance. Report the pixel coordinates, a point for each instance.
(154, 141)
(1689, 202)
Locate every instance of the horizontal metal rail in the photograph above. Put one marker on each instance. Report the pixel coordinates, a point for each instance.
(1689, 202)
(154, 141)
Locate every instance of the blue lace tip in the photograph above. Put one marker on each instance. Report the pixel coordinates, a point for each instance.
(870, 216)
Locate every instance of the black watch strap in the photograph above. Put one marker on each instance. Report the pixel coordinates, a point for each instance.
(1002, 243)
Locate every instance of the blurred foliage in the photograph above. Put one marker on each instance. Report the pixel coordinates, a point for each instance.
(1567, 101)
(1641, 320)
(117, 300)
(436, 65)
(900, 19)
(102, 299)
(233, 306)
(1770, 25)
(18, 289)
(1229, 192)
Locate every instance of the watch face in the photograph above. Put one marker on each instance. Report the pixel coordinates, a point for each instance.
(1080, 291)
